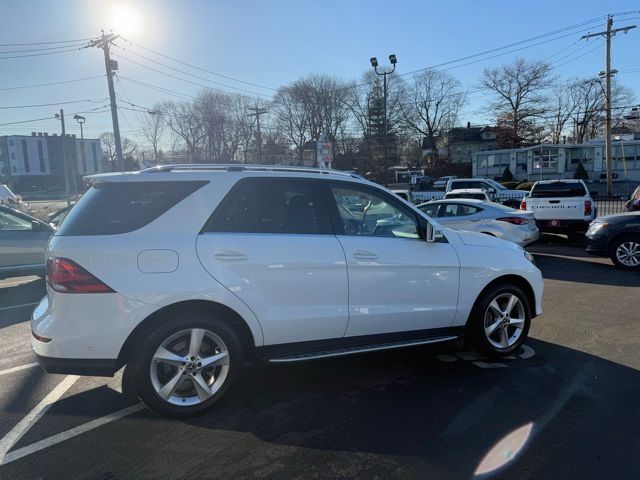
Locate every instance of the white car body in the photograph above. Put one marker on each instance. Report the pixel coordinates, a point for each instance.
(481, 216)
(475, 193)
(496, 191)
(442, 181)
(561, 205)
(282, 288)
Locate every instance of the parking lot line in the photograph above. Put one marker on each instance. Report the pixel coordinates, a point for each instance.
(73, 432)
(16, 433)
(20, 306)
(17, 369)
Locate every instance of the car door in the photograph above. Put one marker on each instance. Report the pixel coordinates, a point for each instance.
(460, 215)
(398, 282)
(270, 242)
(22, 243)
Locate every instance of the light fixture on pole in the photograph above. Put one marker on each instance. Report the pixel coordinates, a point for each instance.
(374, 63)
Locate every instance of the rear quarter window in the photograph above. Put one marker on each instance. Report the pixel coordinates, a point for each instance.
(558, 189)
(120, 207)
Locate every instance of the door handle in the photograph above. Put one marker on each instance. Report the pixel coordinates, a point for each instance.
(475, 219)
(230, 255)
(364, 255)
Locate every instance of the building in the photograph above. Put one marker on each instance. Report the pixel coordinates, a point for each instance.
(36, 160)
(460, 143)
(553, 161)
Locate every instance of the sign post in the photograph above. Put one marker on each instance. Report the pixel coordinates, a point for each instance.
(324, 152)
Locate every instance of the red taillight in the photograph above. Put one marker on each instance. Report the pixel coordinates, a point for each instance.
(523, 204)
(587, 208)
(514, 220)
(66, 276)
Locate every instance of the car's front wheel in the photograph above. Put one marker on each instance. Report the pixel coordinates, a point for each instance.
(500, 320)
(625, 252)
(186, 365)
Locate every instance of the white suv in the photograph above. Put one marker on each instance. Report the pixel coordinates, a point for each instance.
(184, 272)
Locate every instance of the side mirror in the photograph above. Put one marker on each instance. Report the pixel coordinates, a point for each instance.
(433, 235)
(491, 190)
(36, 226)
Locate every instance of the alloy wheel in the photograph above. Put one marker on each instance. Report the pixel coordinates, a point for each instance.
(189, 367)
(504, 320)
(628, 253)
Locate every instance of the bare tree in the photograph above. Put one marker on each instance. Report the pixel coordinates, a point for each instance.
(153, 126)
(108, 144)
(432, 105)
(184, 120)
(562, 107)
(519, 94)
(293, 116)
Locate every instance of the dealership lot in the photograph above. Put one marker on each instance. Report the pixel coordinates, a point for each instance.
(564, 407)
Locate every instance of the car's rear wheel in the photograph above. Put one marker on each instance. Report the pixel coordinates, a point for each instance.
(500, 320)
(186, 366)
(625, 252)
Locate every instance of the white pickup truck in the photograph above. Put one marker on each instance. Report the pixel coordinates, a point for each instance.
(560, 206)
(496, 192)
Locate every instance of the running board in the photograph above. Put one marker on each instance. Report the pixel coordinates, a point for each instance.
(340, 352)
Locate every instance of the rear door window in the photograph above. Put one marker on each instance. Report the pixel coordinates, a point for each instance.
(120, 207)
(558, 189)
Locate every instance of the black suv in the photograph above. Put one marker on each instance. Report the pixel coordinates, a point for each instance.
(616, 237)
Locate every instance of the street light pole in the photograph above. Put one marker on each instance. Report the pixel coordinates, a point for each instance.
(384, 73)
(60, 117)
(81, 120)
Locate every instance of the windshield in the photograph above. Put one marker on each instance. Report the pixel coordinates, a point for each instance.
(558, 189)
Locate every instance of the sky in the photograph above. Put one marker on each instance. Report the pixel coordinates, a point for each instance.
(271, 43)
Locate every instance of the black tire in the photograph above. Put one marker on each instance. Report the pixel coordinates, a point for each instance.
(475, 330)
(616, 244)
(142, 364)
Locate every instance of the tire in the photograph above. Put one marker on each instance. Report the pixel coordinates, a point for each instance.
(624, 252)
(485, 316)
(169, 375)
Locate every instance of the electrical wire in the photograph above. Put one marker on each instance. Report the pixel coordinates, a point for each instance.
(52, 83)
(52, 104)
(41, 54)
(44, 43)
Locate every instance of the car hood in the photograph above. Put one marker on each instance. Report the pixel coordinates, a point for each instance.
(619, 218)
(484, 240)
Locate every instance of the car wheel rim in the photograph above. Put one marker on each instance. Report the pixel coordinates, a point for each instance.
(504, 320)
(628, 253)
(189, 367)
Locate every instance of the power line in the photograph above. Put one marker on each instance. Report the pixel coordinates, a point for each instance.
(44, 43)
(39, 49)
(207, 87)
(189, 74)
(52, 104)
(157, 88)
(196, 67)
(51, 83)
(41, 54)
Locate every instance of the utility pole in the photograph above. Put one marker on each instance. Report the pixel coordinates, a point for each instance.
(111, 65)
(257, 111)
(608, 34)
(374, 64)
(60, 117)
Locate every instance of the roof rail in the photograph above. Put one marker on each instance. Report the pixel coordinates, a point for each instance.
(241, 167)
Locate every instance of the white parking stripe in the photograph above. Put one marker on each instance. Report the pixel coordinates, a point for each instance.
(73, 432)
(16, 433)
(17, 369)
(20, 306)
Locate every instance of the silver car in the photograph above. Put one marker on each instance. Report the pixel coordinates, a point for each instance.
(23, 240)
(500, 221)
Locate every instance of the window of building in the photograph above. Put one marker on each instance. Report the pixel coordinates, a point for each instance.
(11, 142)
(25, 156)
(545, 158)
(14, 169)
(13, 156)
(41, 156)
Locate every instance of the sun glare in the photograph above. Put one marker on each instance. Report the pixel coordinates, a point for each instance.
(125, 20)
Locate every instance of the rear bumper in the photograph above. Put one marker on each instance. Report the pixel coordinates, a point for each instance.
(95, 367)
(562, 226)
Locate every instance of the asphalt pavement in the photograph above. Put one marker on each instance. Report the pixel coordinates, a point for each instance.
(565, 406)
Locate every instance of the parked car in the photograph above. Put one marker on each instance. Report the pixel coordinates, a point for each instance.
(496, 191)
(616, 237)
(633, 204)
(11, 200)
(442, 181)
(561, 206)
(423, 182)
(484, 217)
(404, 194)
(56, 218)
(182, 272)
(23, 240)
(475, 193)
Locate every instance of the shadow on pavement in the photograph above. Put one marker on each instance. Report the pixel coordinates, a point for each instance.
(584, 271)
(19, 297)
